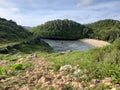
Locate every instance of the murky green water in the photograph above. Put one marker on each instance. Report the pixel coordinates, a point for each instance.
(64, 45)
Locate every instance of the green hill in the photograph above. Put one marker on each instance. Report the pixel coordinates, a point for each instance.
(107, 30)
(11, 32)
(61, 29)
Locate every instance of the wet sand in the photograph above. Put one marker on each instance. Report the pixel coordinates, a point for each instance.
(94, 42)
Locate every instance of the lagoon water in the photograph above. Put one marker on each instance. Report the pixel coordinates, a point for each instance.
(64, 45)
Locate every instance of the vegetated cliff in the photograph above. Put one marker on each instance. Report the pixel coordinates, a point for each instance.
(10, 31)
(107, 30)
(61, 29)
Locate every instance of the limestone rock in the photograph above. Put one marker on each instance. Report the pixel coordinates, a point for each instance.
(65, 67)
(76, 72)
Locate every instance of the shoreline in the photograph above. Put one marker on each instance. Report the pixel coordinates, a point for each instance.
(94, 42)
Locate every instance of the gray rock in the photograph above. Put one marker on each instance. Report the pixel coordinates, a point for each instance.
(32, 56)
(17, 55)
(65, 67)
(10, 72)
(77, 72)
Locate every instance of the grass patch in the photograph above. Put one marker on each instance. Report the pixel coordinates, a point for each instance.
(21, 66)
(32, 46)
(18, 66)
(10, 57)
(2, 70)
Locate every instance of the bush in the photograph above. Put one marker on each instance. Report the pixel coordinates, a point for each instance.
(27, 64)
(2, 69)
(17, 66)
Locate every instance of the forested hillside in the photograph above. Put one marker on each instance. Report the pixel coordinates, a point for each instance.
(107, 30)
(10, 31)
(61, 29)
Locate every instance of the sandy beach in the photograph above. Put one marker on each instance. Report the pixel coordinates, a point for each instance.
(94, 42)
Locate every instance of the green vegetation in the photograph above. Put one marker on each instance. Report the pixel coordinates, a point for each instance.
(2, 69)
(97, 63)
(11, 32)
(61, 29)
(21, 66)
(32, 46)
(8, 57)
(107, 30)
(18, 57)
(17, 66)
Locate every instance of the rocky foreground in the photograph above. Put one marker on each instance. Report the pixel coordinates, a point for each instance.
(42, 76)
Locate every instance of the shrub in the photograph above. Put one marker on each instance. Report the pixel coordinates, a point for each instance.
(2, 69)
(17, 66)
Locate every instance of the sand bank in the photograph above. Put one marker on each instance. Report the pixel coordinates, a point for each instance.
(94, 42)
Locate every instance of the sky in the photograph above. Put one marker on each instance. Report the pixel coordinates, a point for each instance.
(36, 12)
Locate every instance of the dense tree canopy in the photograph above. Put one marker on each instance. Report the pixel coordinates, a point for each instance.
(107, 30)
(10, 31)
(61, 29)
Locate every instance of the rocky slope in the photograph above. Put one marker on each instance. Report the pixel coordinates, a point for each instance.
(42, 76)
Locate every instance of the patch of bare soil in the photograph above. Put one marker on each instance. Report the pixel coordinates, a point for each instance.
(41, 76)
